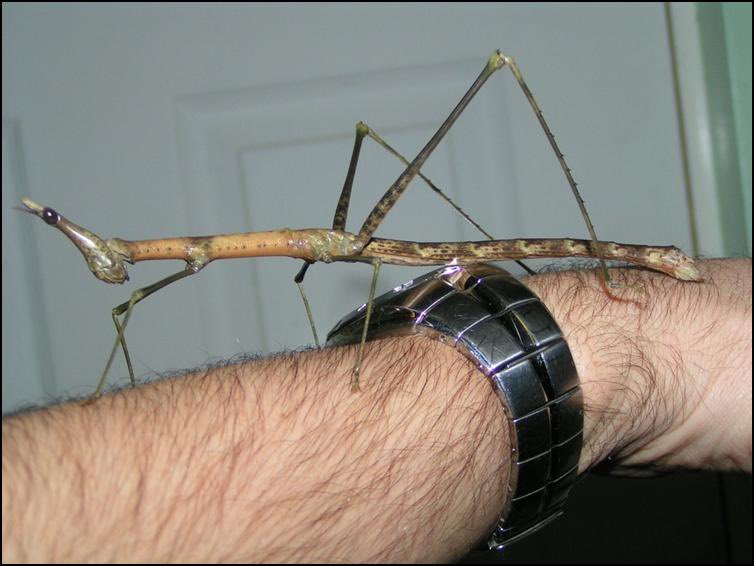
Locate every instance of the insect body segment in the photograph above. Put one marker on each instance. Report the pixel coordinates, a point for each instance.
(104, 258)
(314, 244)
(666, 259)
(328, 245)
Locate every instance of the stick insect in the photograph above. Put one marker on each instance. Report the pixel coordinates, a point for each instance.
(107, 258)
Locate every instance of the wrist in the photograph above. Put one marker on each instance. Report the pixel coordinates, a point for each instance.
(666, 374)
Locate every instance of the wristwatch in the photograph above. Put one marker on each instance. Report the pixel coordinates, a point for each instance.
(503, 327)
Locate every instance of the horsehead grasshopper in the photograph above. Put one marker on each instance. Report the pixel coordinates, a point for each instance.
(107, 258)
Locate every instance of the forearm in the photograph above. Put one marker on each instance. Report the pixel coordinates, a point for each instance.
(276, 460)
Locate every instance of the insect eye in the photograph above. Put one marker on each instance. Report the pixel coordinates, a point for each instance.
(50, 216)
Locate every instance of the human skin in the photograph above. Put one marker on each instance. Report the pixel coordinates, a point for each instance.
(276, 460)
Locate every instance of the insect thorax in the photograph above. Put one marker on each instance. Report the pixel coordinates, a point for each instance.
(328, 245)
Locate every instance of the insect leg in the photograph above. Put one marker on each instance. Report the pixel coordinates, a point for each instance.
(127, 308)
(561, 159)
(495, 62)
(376, 263)
(438, 191)
(339, 220)
(341, 210)
(299, 280)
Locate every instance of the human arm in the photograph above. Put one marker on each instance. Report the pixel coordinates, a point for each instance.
(276, 460)
(666, 374)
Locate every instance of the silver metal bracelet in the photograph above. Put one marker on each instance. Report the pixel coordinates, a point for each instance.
(505, 329)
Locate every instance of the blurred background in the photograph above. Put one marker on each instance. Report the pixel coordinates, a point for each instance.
(146, 121)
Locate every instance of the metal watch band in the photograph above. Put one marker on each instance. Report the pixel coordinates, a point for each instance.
(505, 329)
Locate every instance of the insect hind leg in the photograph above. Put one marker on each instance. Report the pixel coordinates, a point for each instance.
(438, 191)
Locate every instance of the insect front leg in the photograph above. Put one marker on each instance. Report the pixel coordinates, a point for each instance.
(126, 309)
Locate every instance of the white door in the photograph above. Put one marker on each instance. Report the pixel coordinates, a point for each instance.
(152, 121)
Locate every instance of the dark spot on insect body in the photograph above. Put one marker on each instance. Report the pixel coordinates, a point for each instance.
(50, 216)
